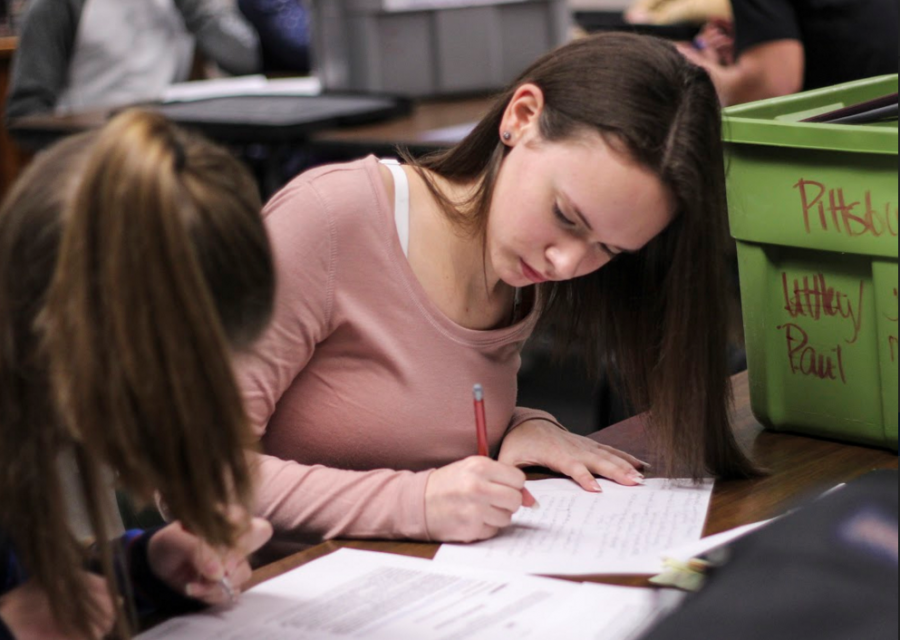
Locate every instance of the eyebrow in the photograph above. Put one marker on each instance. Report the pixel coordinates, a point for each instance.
(612, 249)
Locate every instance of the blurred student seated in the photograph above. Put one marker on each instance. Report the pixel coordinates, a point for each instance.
(781, 47)
(284, 33)
(76, 55)
(678, 11)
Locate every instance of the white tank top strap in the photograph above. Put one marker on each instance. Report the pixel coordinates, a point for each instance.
(401, 202)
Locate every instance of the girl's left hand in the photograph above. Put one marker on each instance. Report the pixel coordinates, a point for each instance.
(190, 566)
(538, 443)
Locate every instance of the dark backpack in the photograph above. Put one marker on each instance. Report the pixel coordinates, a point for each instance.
(826, 572)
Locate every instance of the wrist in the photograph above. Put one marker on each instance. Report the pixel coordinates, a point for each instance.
(154, 594)
(536, 424)
(6, 632)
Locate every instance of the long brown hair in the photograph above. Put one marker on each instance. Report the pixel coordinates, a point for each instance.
(132, 263)
(659, 318)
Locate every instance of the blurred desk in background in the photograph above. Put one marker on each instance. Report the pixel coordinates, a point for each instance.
(38, 132)
(265, 130)
(422, 127)
(431, 125)
(252, 119)
(12, 158)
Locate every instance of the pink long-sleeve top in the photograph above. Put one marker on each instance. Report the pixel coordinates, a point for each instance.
(361, 386)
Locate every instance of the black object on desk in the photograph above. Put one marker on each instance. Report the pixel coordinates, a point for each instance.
(278, 119)
(597, 21)
(825, 572)
(883, 108)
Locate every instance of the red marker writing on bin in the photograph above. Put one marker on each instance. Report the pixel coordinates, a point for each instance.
(528, 500)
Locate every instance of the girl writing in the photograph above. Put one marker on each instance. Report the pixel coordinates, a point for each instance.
(591, 197)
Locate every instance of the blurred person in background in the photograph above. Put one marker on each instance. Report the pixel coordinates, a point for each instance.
(678, 11)
(284, 33)
(780, 47)
(77, 55)
(4, 17)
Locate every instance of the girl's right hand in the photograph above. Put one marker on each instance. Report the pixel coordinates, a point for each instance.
(27, 614)
(472, 499)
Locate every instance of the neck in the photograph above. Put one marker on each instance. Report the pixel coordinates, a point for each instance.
(468, 257)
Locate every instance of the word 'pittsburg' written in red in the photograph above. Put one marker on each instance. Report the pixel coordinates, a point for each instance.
(813, 298)
(855, 218)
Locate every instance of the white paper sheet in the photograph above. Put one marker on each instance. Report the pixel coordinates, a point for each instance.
(422, 5)
(695, 549)
(624, 530)
(239, 86)
(452, 134)
(375, 596)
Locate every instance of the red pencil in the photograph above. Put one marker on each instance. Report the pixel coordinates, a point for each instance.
(481, 422)
(483, 447)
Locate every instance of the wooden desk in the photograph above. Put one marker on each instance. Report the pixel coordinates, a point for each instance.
(42, 130)
(800, 467)
(410, 131)
(12, 159)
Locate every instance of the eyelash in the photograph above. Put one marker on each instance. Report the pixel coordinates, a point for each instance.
(568, 223)
(562, 217)
(612, 256)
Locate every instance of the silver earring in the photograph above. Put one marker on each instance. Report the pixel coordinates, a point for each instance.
(507, 136)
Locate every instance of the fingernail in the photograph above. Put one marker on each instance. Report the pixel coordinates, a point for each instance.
(214, 571)
(637, 478)
(596, 488)
(646, 465)
(190, 590)
(528, 500)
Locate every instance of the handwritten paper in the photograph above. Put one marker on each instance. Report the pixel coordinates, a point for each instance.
(624, 530)
(358, 594)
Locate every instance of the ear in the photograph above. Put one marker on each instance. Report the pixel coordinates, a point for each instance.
(522, 116)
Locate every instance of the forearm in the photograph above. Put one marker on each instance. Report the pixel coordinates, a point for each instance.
(698, 11)
(223, 35)
(315, 503)
(521, 415)
(768, 70)
(41, 66)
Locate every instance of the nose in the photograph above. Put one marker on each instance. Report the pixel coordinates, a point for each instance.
(571, 260)
(566, 259)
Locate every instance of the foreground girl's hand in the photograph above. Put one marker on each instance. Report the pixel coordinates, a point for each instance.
(472, 499)
(190, 566)
(538, 443)
(27, 614)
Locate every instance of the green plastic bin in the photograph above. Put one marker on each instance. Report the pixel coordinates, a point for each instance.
(814, 211)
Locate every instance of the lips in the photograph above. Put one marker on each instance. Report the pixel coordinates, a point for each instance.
(532, 275)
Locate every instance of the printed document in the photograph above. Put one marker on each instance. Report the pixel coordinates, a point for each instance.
(377, 596)
(624, 530)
